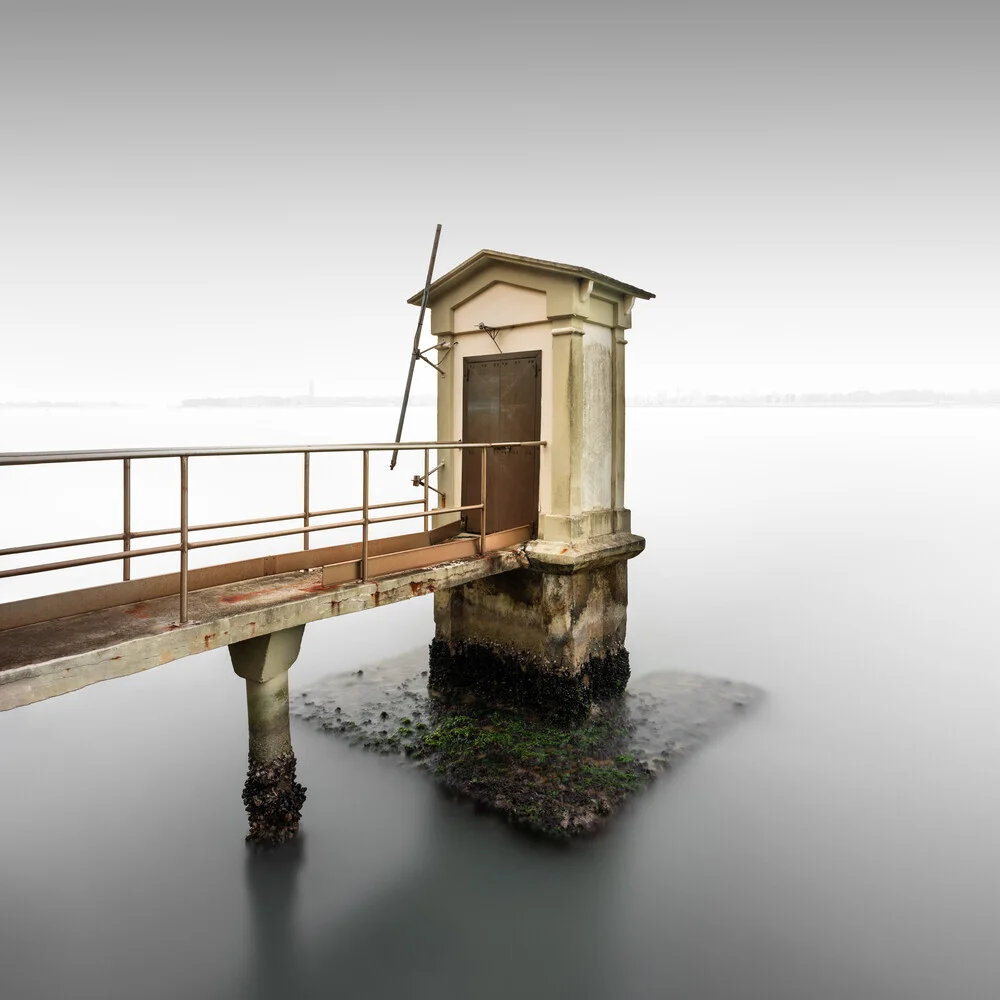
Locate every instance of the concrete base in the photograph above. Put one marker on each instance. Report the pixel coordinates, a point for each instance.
(502, 676)
(550, 636)
(272, 796)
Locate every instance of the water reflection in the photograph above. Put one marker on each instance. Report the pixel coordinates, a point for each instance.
(499, 919)
(272, 884)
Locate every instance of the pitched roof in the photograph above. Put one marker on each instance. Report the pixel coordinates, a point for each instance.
(478, 260)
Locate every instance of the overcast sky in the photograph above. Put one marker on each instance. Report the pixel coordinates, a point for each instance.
(237, 198)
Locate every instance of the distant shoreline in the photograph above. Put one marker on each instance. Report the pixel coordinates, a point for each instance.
(860, 398)
(47, 405)
(304, 401)
(828, 405)
(907, 398)
(889, 400)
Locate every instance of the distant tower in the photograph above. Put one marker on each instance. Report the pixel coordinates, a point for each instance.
(312, 388)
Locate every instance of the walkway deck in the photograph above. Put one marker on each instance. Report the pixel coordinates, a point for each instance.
(55, 657)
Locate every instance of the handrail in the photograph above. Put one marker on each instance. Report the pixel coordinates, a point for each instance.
(51, 457)
(122, 536)
(184, 530)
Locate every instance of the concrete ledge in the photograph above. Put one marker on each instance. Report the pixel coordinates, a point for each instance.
(566, 557)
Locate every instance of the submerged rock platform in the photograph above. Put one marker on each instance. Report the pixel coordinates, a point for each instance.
(555, 779)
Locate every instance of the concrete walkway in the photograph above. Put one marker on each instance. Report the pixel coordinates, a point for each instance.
(56, 657)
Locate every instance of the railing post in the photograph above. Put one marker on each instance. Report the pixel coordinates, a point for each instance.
(427, 489)
(482, 513)
(127, 517)
(184, 539)
(364, 518)
(305, 499)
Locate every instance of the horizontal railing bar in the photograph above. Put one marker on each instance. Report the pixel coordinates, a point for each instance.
(208, 543)
(61, 457)
(156, 532)
(376, 506)
(96, 540)
(87, 561)
(271, 520)
(420, 513)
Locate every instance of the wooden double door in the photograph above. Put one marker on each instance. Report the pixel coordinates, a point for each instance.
(502, 402)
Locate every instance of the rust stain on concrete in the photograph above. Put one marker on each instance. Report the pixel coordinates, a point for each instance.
(148, 627)
(246, 596)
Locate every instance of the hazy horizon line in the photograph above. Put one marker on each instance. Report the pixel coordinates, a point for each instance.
(665, 398)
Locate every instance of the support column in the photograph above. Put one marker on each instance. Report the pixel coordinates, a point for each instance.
(272, 796)
(547, 638)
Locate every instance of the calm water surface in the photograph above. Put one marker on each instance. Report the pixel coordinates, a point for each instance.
(839, 843)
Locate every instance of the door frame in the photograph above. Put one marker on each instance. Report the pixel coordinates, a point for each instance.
(509, 356)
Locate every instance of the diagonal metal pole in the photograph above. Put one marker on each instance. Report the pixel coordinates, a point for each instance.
(416, 344)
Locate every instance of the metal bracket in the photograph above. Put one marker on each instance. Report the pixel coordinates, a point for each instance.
(439, 347)
(492, 332)
(419, 481)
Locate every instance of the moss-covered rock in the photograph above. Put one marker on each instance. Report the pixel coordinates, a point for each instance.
(552, 779)
(543, 774)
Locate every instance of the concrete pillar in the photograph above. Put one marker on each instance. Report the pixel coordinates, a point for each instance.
(549, 637)
(272, 796)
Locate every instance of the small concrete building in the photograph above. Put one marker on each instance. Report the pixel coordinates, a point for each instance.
(535, 350)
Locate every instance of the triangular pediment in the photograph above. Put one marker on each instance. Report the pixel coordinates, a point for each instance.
(486, 258)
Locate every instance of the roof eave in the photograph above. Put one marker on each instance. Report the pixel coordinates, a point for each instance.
(553, 267)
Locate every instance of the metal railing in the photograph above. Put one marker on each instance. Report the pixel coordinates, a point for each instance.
(184, 529)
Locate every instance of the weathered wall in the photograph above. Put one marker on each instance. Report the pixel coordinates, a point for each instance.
(546, 641)
(598, 412)
(559, 620)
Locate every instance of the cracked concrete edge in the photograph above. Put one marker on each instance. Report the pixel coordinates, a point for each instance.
(34, 682)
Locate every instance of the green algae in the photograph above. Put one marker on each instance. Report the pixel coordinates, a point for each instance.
(551, 779)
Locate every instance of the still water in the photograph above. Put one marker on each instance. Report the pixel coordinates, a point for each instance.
(840, 842)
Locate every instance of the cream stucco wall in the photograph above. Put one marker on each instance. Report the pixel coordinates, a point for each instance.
(499, 305)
